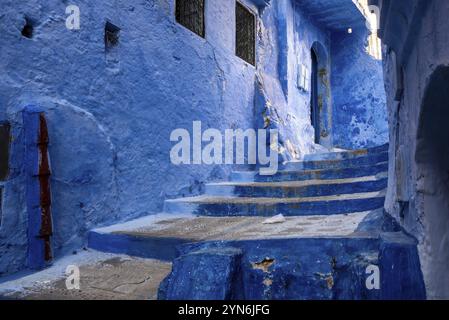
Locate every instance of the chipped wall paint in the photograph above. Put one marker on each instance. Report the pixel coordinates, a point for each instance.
(329, 269)
(282, 104)
(359, 104)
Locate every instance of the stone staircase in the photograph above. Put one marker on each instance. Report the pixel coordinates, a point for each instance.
(335, 241)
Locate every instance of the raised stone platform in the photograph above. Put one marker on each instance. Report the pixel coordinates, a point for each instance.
(158, 236)
(312, 257)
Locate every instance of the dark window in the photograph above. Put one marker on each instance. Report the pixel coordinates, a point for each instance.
(111, 36)
(190, 13)
(245, 34)
(1, 201)
(27, 30)
(4, 150)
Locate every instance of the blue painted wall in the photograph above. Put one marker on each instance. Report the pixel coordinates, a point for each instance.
(289, 35)
(359, 102)
(110, 117)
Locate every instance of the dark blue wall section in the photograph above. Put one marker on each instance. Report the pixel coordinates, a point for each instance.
(358, 93)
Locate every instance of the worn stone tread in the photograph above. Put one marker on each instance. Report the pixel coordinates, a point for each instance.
(304, 183)
(193, 228)
(205, 199)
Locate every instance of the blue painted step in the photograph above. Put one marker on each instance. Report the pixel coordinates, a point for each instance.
(295, 189)
(370, 159)
(158, 236)
(301, 175)
(349, 154)
(237, 206)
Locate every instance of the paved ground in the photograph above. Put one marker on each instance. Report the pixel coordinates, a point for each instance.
(102, 276)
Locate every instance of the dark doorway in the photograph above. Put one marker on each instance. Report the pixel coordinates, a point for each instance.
(4, 150)
(314, 109)
(432, 157)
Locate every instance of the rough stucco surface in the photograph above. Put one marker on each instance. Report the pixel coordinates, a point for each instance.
(108, 121)
(418, 183)
(359, 103)
(110, 115)
(279, 103)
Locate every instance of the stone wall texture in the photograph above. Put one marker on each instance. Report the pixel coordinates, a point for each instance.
(416, 64)
(110, 114)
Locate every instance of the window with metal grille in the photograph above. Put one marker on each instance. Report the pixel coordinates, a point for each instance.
(190, 14)
(245, 34)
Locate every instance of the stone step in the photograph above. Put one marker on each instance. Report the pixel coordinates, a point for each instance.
(310, 257)
(293, 189)
(320, 174)
(370, 159)
(253, 206)
(158, 236)
(349, 154)
(298, 269)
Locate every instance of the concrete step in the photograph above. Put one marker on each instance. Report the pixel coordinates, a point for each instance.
(349, 154)
(293, 189)
(252, 206)
(370, 159)
(320, 174)
(158, 236)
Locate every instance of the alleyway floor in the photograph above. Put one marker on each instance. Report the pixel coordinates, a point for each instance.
(102, 277)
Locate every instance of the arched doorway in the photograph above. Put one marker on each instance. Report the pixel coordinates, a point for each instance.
(320, 95)
(432, 157)
(314, 110)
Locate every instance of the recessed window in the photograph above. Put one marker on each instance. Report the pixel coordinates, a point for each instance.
(1, 205)
(245, 34)
(4, 150)
(27, 30)
(190, 14)
(111, 36)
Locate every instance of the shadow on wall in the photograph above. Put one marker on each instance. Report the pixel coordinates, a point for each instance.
(432, 157)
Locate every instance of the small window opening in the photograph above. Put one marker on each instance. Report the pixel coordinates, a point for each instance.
(245, 34)
(190, 14)
(28, 29)
(111, 36)
(4, 150)
(1, 205)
